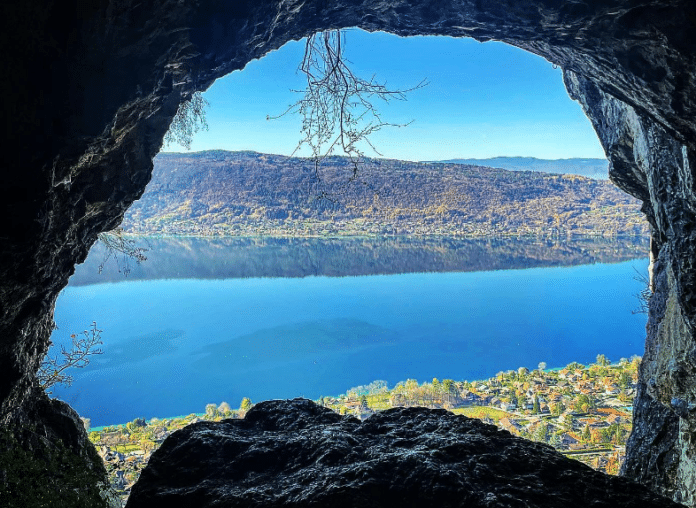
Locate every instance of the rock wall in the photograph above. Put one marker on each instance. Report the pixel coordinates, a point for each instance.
(652, 165)
(91, 86)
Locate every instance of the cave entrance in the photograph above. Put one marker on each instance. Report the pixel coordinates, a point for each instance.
(311, 307)
(483, 100)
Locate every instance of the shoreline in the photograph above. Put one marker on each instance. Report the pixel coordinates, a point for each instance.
(101, 428)
(369, 236)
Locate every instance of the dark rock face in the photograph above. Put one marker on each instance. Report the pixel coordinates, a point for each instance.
(91, 87)
(652, 165)
(46, 459)
(295, 453)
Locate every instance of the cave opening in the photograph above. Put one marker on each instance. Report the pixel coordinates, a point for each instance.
(215, 321)
(117, 75)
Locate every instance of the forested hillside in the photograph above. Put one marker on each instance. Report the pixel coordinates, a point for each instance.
(248, 193)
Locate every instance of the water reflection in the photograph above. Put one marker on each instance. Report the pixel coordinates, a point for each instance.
(222, 258)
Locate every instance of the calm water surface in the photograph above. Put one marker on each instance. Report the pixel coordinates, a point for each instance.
(173, 345)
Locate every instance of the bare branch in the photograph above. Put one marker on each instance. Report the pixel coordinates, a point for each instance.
(122, 249)
(84, 345)
(337, 107)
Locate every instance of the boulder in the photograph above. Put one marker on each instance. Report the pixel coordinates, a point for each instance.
(296, 453)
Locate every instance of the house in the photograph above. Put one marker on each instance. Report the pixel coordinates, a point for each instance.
(510, 425)
(555, 397)
(114, 438)
(569, 441)
(612, 389)
(615, 419)
(566, 417)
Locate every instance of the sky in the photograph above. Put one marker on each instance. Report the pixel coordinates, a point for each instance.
(483, 100)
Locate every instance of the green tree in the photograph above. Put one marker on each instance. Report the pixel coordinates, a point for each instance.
(602, 360)
(605, 435)
(410, 389)
(363, 403)
(541, 433)
(615, 434)
(448, 388)
(586, 435)
(225, 409)
(136, 425)
(584, 403)
(211, 410)
(573, 366)
(555, 440)
(569, 423)
(536, 409)
(624, 380)
(246, 404)
(542, 366)
(522, 401)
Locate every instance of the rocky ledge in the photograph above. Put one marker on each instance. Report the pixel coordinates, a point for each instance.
(296, 453)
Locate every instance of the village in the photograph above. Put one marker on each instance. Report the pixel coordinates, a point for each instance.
(584, 412)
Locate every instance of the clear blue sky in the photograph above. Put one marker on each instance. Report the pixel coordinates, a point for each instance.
(483, 100)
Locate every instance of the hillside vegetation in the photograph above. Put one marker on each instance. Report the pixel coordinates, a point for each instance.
(248, 193)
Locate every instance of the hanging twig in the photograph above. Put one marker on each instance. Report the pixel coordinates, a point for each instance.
(84, 345)
(337, 107)
(118, 245)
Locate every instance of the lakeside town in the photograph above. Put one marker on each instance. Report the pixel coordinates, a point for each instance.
(584, 411)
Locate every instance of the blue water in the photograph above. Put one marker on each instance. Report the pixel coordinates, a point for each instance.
(172, 346)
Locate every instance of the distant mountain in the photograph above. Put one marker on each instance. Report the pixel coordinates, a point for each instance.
(251, 194)
(591, 168)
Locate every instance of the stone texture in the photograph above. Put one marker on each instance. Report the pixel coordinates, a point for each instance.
(46, 459)
(650, 164)
(90, 88)
(296, 453)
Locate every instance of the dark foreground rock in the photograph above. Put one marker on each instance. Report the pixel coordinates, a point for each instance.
(47, 461)
(296, 453)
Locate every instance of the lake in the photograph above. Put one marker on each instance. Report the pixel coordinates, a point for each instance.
(205, 321)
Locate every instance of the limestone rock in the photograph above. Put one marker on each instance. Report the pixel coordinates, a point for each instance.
(296, 453)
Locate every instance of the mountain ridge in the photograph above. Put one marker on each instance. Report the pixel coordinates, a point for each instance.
(583, 166)
(250, 194)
